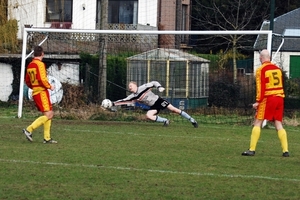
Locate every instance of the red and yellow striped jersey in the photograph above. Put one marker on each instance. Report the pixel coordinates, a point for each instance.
(269, 81)
(36, 76)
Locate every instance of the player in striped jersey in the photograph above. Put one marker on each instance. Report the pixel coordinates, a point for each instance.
(269, 103)
(144, 95)
(36, 79)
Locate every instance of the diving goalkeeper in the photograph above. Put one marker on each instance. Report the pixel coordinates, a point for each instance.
(143, 94)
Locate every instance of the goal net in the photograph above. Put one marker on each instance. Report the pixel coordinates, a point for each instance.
(93, 65)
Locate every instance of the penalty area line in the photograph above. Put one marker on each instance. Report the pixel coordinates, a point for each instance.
(151, 170)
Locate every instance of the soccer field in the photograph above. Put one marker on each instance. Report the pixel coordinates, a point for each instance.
(136, 160)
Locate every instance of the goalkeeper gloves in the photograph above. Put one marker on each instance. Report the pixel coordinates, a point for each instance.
(161, 89)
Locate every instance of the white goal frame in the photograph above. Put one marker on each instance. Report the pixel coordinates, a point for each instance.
(45, 30)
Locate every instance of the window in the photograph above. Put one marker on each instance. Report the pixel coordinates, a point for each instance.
(184, 17)
(122, 12)
(59, 10)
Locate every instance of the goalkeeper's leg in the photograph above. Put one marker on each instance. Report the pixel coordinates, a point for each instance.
(152, 115)
(183, 114)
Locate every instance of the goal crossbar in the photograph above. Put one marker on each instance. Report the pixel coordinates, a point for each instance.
(149, 32)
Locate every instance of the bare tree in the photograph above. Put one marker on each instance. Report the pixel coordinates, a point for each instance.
(229, 15)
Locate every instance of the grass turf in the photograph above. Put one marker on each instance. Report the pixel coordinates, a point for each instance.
(128, 160)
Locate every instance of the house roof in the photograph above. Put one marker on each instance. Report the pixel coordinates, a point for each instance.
(286, 27)
(167, 54)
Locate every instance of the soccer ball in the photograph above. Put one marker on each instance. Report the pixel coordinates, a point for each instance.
(106, 103)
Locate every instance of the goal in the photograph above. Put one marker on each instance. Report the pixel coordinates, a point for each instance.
(131, 55)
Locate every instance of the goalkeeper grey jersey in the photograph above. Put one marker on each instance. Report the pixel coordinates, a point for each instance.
(144, 94)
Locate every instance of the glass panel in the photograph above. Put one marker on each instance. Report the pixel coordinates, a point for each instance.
(59, 11)
(177, 79)
(183, 23)
(198, 80)
(158, 72)
(137, 71)
(122, 12)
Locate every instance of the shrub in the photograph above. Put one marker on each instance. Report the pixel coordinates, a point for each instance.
(223, 94)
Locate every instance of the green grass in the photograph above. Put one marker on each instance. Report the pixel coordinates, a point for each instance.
(138, 160)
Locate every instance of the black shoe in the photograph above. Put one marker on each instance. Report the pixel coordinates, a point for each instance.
(248, 153)
(195, 124)
(286, 154)
(166, 123)
(51, 141)
(28, 135)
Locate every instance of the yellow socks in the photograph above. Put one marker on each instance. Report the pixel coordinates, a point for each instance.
(47, 127)
(283, 140)
(254, 137)
(256, 134)
(37, 123)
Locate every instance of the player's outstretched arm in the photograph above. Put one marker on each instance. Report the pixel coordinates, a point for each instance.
(121, 102)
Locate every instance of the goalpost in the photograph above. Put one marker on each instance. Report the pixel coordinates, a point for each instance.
(80, 38)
